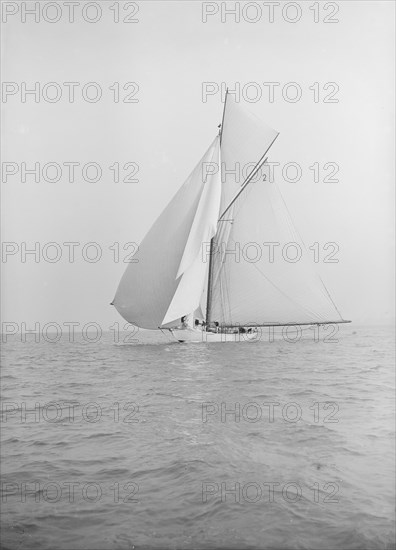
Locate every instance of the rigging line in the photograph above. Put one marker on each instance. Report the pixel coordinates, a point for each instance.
(222, 232)
(250, 176)
(226, 275)
(221, 283)
(307, 310)
(224, 286)
(223, 270)
(226, 234)
(227, 301)
(222, 120)
(171, 331)
(296, 235)
(329, 295)
(248, 179)
(225, 297)
(301, 239)
(222, 299)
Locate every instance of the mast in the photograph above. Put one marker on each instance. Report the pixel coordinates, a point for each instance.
(210, 271)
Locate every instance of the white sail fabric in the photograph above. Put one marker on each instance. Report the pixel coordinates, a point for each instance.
(245, 140)
(148, 286)
(204, 226)
(195, 262)
(251, 286)
(188, 293)
(261, 271)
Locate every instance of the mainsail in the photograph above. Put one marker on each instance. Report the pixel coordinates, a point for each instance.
(259, 271)
(262, 271)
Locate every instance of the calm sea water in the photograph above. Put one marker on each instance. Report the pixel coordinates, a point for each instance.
(118, 446)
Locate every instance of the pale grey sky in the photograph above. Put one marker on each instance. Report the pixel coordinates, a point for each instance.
(169, 53)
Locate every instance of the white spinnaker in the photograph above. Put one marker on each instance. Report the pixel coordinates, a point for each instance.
(245, 139)
(148, 286)
(252, 289)
(195, 261)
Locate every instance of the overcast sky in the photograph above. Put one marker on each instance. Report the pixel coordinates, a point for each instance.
(169, 53)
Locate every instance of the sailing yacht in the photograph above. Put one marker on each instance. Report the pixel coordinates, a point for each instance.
(205, 271)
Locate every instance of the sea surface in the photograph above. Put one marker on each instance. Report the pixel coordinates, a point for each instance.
(264, 445)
